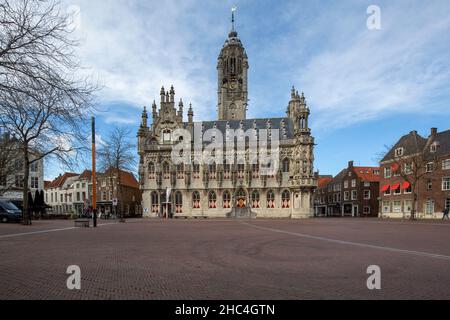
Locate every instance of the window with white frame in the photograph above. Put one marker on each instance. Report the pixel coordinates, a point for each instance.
(354, 195)
(366, 194)
(447, 203)
(34, 167)
(398, 191)
(446, 184)
(408, 167)
(429, 185)
(345, 184)
(408, 190)
(429, 207)
(367, 184)
(408, 206)
(34, 183)
(430, 167)
(397, 207)
(433, 147)
(354, 183)
(387, 173)
(346, 196)
(399, 152)
(446, 164)
(386, 206)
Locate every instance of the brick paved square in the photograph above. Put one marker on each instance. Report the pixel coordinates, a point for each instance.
(227, 259)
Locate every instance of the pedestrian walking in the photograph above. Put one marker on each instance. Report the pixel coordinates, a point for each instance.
(445, 212)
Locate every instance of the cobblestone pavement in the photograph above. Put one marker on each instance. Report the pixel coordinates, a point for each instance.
(227, 259)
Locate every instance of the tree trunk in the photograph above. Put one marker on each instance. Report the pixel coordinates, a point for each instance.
(26, 174)
(414, 203)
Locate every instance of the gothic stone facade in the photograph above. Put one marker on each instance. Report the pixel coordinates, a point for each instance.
(219, 190)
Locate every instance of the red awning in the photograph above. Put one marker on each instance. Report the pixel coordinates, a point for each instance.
(406, 185)
(395, 167)
(396, 186)
(385, 188)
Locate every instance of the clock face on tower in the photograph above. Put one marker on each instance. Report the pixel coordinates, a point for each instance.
(233, 85)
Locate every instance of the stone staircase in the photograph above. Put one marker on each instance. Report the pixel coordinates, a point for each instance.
(241, 213)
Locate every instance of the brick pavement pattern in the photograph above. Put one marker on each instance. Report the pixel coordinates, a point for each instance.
(227, 259)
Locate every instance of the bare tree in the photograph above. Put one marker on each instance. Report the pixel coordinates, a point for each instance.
(117, 154)
(9, 153)
(42, 101)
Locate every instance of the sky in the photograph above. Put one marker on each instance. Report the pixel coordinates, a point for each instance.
(365, 88)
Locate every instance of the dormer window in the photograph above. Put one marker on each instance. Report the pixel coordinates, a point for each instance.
(399, 152)
(433, 147)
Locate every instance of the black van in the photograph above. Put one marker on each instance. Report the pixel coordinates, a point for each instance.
(9, 212)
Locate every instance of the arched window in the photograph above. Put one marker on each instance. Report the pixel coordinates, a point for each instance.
(212, 200)
(302, 123)
(155, 202)
(255, 171)
(196, 171)
(196, 200)
(270, 200)
(151, 171)
(180, 171)
(226, 171)
(212, 171)
(241, 171)
(286, 200)
(226, 200)
(255, 200)
(166, 170)
(286, 165)
(178, 202)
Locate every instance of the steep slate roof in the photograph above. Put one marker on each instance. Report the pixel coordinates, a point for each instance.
(368, 173)
(412, 143)
(87, 174)
(322, 183)
(127, 178)
(275, 123)
(443, 145)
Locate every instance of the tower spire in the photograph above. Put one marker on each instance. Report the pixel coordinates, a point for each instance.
(233, 10)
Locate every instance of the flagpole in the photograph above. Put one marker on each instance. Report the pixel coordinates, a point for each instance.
(94, 178)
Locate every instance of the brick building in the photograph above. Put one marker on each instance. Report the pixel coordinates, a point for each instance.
(354, 192)
(421, 166)
(127, 192)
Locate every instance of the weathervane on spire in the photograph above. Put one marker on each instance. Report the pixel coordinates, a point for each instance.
(233, 10)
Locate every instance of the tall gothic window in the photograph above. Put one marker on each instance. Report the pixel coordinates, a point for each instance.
(155, 202)
(226, 200)
(196, 171)
(178, 202)
(255, 200)
(286, 199)
(270, 200)
(151, 171)
(212, 171)
(166, 170)
(286, 164)
(180, 171)
(212, 200)
(196, 200)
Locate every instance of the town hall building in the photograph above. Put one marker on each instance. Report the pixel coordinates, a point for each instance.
(237, 186)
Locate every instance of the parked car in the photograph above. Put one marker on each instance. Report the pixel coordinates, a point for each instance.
(9, 212)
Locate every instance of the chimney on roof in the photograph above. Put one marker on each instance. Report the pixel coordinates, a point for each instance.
(434, 132)
(351, 164)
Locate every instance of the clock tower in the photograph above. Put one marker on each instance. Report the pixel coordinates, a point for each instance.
(232, 70)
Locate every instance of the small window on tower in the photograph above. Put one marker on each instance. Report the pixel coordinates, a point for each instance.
(167, 136)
